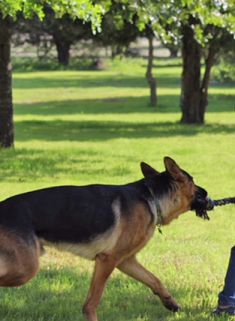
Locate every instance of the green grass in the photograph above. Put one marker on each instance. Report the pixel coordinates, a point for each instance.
(82, 127)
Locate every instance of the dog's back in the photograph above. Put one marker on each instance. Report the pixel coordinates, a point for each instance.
(68, 213)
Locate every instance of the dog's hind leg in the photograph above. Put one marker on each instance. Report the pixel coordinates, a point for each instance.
(133, 268)
(104, 266)
(18, 259)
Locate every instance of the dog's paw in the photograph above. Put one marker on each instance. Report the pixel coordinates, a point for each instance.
(171, 304)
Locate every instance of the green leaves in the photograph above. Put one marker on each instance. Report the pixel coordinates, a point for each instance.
(83, 9)
(10, 7)
(171, 15)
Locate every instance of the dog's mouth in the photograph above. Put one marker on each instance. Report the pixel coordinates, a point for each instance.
(202, 207)
(202, 203)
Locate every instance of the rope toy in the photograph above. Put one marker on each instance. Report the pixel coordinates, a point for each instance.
(224, 201)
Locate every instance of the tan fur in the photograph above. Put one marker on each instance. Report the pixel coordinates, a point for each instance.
(136, 232)
(178, 202)
(18, 260)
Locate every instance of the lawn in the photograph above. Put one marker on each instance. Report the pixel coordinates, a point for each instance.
(82, 127)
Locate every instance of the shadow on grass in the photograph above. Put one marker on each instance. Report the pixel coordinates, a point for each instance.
(88, 81)
(59, 130)
(59, 295)
(28, 165)
(117, 105)
(96, 79)
(112, 105)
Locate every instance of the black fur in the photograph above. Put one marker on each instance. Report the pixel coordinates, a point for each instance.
(71, 214)
(77, 214)
(161, 184)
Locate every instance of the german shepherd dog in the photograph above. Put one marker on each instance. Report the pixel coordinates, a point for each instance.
(106, 223)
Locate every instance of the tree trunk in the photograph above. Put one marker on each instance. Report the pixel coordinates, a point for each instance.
(173, 52)
(149, 75)
(209, 62)
(6, 105)
(63, 51)
(173, 49)
(191, 89)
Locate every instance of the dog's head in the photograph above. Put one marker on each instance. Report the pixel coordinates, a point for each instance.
(176, 191)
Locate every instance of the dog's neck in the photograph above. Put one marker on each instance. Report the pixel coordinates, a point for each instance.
(163, 212)
(154, 207)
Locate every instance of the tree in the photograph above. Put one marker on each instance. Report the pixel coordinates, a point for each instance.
(84, 9)
(118, 29)
(203, 27)
(6, 106)
(121, 25)
(31, 31)
(195, 82)
(149, 73)
(63, 32)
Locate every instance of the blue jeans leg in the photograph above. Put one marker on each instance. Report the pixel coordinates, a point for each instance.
(227, 296)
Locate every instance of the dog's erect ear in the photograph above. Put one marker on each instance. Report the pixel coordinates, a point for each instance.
(147, 170)
(173, 169)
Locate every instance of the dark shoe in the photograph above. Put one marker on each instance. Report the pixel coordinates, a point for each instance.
(224, 310)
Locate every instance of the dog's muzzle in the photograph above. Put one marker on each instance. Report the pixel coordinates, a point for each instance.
(202, 203)
(202, 206)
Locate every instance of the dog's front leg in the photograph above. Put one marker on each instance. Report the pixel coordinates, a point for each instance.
(104, 266)
(134, 269)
